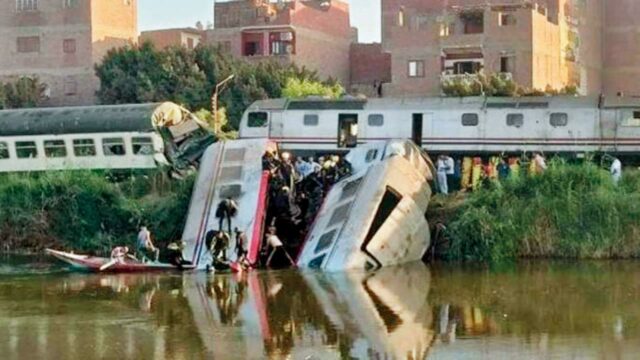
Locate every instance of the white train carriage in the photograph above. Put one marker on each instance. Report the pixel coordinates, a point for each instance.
(376, 217)
(473, 125)
(86, 137)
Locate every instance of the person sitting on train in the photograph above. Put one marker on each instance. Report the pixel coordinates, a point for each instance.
(276, 244)
(144, 245)
(119, 253)
(227, 209)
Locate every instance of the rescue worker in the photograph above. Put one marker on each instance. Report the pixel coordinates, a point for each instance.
(175, 254)
(119, 253)
(227, 209)
(616, 170)
(219, 246)
(442, 169)
(144, 245)
(276, 244)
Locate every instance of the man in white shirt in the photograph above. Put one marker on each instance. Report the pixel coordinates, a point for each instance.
(442, 170)
(616, 171)
(275, 243)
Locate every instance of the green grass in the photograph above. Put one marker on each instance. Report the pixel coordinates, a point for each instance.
(88, 211)
(570, 211)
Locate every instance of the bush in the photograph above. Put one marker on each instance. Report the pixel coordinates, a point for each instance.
(569, 211)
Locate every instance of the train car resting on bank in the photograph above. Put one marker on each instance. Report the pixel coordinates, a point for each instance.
(100, 137)
(463, 126)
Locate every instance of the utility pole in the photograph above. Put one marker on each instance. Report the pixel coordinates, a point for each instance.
(214, 102)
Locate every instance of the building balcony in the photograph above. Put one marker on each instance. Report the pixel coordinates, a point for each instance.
(461, 41)
(446, 77)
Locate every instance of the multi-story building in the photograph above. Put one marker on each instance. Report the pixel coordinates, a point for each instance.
(59, 41)
(538, 43)
(621, 50)
(187, 37)
(311, 33)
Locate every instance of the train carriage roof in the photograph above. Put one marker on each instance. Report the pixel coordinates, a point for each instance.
(77, 119)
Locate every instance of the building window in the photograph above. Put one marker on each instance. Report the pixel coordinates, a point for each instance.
(70, 86)
(252, 48)
(28, 44)
(4, 150)
(375, 120)
(69, 46)
(515, 120)
(113, 146)
(84, 147)
(26, 149)
(310, 120)
(401, 17)
(507, 64)
(26, 5)
(473, 22)
(507, 18)
(189, 43)
(445, 29)
(470, 119)
(54, 148)
(467, 67)
(68, 4)
(416, 68)
(281, 43)
(142, 145)
(257, 119)
(558, 119)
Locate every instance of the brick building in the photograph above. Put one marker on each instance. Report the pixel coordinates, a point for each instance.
(370, 69)
(312, 33)
(187, 37)
(539, 43)
(59, 41)
(621, 50)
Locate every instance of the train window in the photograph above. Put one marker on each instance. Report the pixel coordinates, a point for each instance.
(371, 155)
(4, 150)
(84, 147)
(470, 119)
(636, 115)
(389, 202)
(113, 146)
(375, 120)
(515, 120)
(26, 149)
(558, 119)
(54, 148)
(310, 120)
(142, 145)
(257, 119)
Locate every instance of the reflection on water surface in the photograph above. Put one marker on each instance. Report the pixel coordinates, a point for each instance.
(531, 311)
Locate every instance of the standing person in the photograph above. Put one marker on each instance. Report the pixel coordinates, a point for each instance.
(503, 169)
(540, 163)
(144, 245)
(451, 164)
(616, 170)
(241, 251)
(275, 243)
(227, 209)
(441, 167)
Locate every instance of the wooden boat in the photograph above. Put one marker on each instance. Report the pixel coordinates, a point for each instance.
(95, 263)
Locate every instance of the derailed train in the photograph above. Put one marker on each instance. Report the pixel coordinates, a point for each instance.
(472, 125)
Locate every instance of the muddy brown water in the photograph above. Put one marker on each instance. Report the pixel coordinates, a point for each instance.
(543, 310)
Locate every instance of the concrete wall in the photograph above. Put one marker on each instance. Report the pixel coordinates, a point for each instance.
(172, 37)
(621, 50)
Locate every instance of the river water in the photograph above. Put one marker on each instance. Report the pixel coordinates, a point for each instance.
(542, 310)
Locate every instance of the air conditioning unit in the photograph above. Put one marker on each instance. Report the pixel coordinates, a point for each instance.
(286, 36)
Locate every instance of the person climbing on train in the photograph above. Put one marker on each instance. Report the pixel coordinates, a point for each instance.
(219, 245)
(276, 244)
(144, 245)
(227, 209)
(241, 250)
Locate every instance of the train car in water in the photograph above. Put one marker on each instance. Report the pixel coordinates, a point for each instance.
(471, 125)
(98, 137)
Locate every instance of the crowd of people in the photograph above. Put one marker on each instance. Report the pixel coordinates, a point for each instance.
(468, 173)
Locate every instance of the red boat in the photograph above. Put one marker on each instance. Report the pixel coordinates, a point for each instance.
(102, 264)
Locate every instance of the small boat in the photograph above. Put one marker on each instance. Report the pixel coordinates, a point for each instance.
(95, 263)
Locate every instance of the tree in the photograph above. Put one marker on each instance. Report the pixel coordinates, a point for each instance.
(497, 84)
(25, 92)
(300, 88)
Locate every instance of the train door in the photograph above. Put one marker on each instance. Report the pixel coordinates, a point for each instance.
(347, 130)
(416, 129)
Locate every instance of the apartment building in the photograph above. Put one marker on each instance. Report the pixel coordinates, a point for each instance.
(311, 33)
(538, 43)
(59, 41)
(187, 37)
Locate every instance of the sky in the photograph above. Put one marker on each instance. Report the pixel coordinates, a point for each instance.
(162, 14)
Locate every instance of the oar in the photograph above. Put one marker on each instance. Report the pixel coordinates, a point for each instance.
(108, 265)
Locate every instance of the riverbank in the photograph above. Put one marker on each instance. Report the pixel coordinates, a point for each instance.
(88, 211)
(570, 211)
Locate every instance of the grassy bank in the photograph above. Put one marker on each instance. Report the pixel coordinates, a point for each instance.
(88, 211)
(570, 211)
